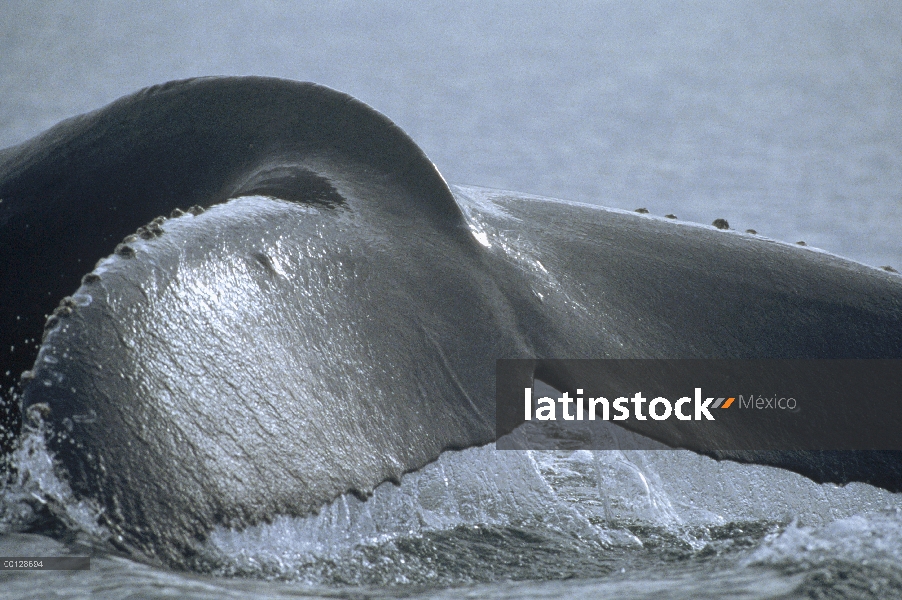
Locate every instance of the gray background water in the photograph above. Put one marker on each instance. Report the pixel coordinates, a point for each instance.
(780, 116)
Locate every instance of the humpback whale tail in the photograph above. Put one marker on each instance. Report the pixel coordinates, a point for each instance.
(320, 313)
(281, 343)
(70, 195)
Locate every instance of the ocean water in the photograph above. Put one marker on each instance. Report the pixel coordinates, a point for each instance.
(485, 523)
(778, 116)
(782, 117)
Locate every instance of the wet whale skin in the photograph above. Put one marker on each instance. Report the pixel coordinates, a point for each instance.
(329, 315)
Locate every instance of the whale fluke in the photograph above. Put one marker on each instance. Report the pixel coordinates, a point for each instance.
(70, 195)
(320, 312)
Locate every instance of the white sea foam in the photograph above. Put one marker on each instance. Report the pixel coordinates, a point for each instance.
(596, 498)
(35, 486)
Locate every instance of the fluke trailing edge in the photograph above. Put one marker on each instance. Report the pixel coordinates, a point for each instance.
(327, 315)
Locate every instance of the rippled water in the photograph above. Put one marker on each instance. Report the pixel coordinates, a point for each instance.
(491, 523)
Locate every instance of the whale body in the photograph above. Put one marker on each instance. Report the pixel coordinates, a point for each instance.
(289, 303)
